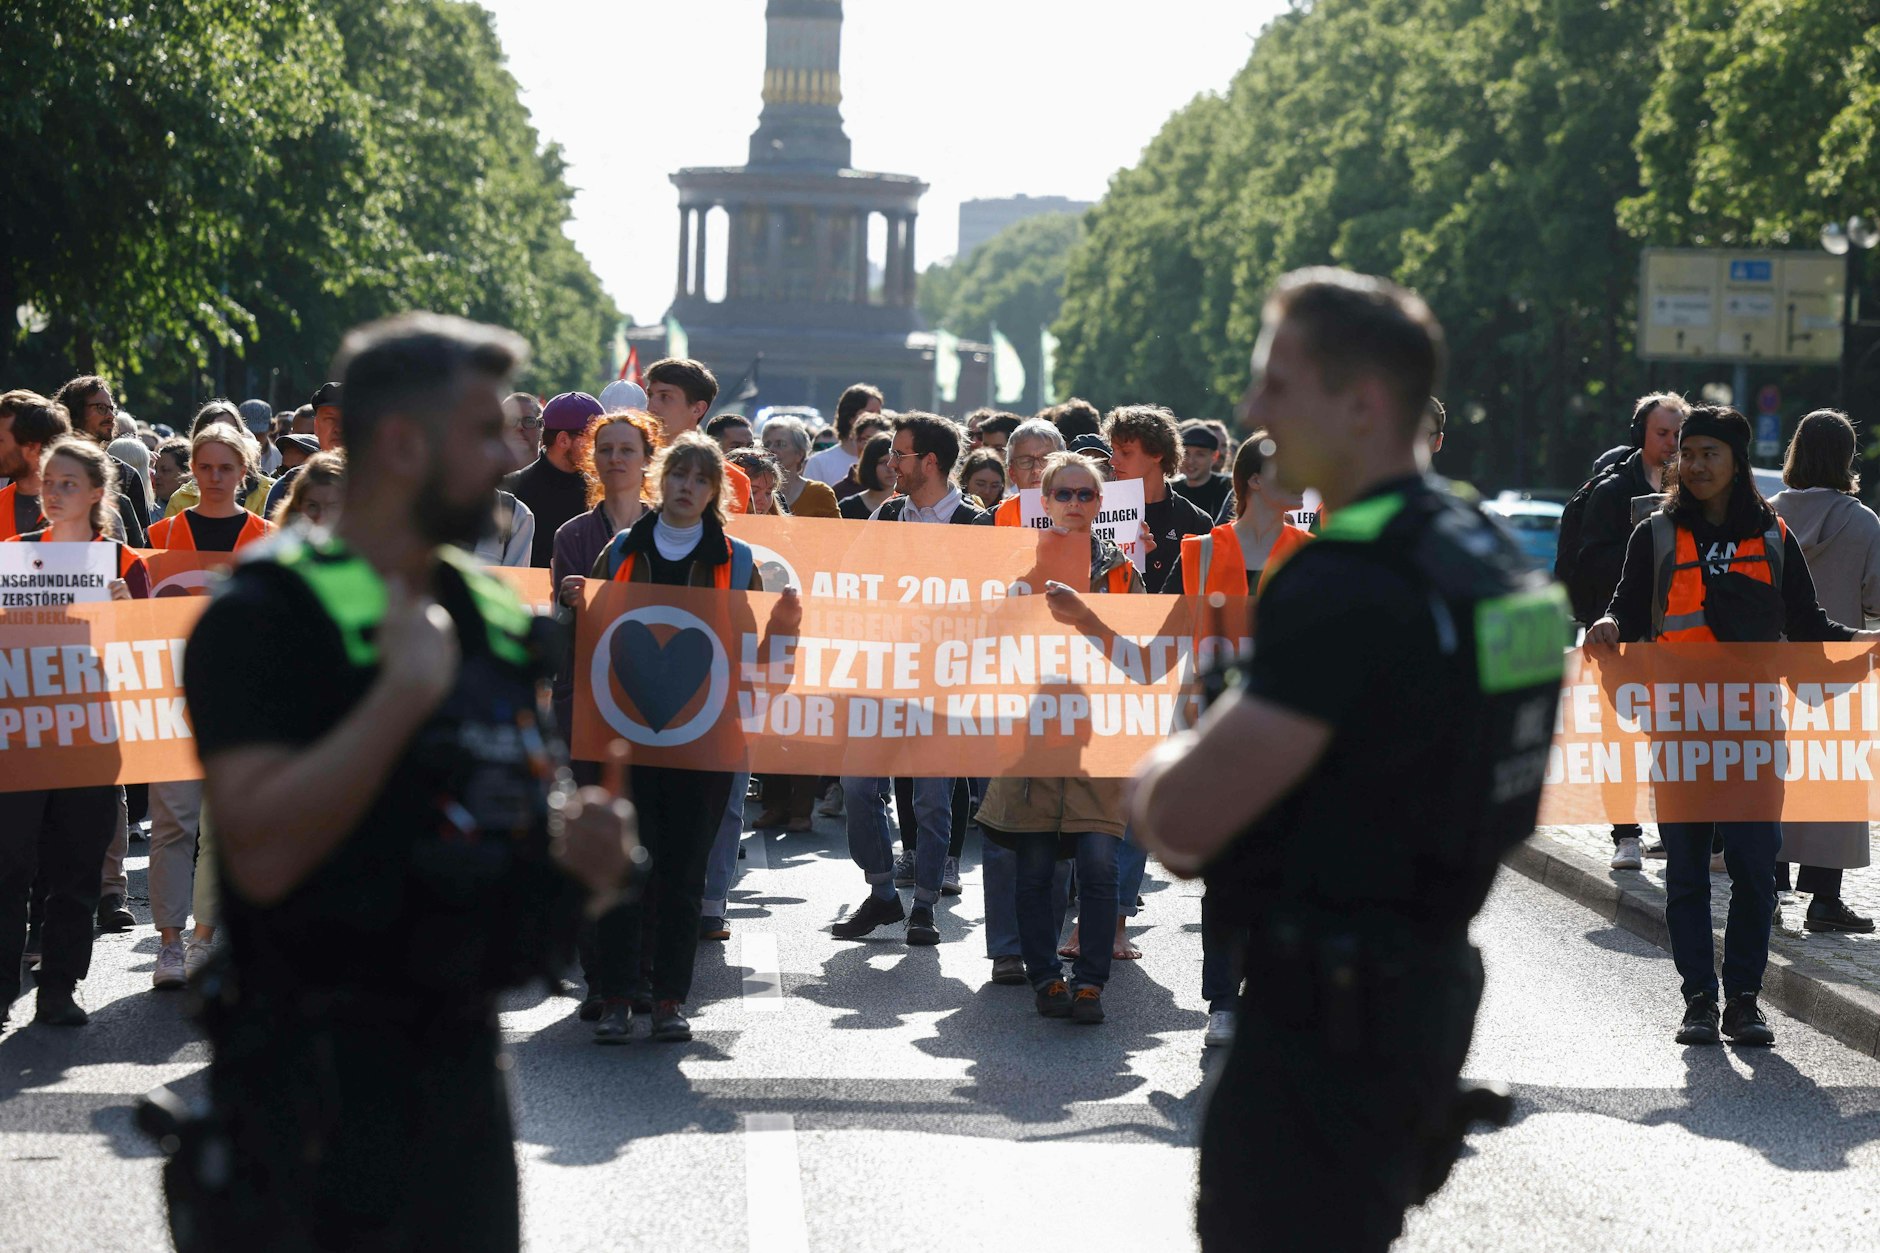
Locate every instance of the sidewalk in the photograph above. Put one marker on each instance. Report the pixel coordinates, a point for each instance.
(1831, 982)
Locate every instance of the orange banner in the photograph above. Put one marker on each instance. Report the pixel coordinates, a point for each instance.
(182, 572)
(711, 680)
(1714, 732)
(94, 694)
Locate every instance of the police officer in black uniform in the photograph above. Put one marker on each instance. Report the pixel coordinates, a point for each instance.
(1350, 798)
(396, 837)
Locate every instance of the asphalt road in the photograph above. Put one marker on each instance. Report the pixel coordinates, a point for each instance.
(870, 1096)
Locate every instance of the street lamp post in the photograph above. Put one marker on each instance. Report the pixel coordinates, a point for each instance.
(1860, 235)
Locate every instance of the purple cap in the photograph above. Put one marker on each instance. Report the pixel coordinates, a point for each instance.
(570, 411)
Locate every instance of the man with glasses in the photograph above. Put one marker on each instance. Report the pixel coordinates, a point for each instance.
(926, 447)
(522, 427)
(93, 410)
(1025, 452)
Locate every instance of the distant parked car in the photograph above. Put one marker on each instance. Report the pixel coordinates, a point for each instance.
(1768, 482)
(1535, 525)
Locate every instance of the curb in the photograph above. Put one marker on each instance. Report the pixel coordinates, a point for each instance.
(1795, 983)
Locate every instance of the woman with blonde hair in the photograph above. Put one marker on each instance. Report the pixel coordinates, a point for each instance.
(316, 493)
(1044, 821)
(60, 836)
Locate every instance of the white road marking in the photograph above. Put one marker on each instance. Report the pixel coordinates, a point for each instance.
(773, 1185)
(763, 982)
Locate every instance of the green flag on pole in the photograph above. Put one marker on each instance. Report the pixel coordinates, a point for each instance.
(1047, 352)
(946, 366)
(1008, 371)
(677, 345)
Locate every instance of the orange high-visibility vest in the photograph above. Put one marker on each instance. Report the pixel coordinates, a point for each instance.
(740, 484)
(1007, 513)
(1683, 612)
(1215, 562)
(174, 532)
(1118, 579)
(7, 529)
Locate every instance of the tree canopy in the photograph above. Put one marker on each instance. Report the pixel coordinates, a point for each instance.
(1505, 159)
(206, 197)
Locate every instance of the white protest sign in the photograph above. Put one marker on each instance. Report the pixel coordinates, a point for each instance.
(1119, 519)
(37, 575)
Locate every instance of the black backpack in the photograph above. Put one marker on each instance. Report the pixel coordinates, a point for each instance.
(1572, 518)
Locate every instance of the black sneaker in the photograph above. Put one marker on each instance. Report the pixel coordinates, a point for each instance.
(669, 1024)
(112, 916)
(1744, 1023)
(1700, 1020)
(615, 1023)
(1087, 1006)
(591, 1008)
(1054, 999)
(58, 1009)
(875, 912)
(920, 926)
(1832, 914)
(712, 928)
(1008, 970)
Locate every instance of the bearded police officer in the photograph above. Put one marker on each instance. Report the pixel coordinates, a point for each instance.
(1349, 800)
(396, 839)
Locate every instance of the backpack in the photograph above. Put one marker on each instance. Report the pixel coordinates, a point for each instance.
(1572, 519)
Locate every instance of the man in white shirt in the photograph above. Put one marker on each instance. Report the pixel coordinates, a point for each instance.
(925, 450)
(832, 465)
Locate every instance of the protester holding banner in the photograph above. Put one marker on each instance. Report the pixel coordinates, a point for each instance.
(875, 474)
(1045, 821)
(1716, 563)
(1146, 444)
(60, 837)
(682, 543)
(221, 456)
(1841, 539)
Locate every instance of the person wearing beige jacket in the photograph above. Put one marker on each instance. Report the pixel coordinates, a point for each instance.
(1044, 821)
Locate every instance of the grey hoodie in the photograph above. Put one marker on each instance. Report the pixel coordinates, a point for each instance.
(1841, 539)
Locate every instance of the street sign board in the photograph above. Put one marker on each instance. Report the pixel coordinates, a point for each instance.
(1768, 434)
(1721, 304)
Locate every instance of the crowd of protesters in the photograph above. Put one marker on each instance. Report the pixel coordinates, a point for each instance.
(638, 484)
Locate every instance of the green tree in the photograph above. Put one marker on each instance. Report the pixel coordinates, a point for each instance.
(1014, 281)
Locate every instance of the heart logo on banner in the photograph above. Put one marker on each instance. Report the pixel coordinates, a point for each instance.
(661, 679)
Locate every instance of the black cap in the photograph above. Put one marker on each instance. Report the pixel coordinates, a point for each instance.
(306, 443)
(1089, 444)
(327, 395)
(1201, 437)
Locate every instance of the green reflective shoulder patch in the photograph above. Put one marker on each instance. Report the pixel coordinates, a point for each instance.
(1521, 640)
(1363, 522)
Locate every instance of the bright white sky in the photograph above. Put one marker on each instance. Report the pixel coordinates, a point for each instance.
(979, 98)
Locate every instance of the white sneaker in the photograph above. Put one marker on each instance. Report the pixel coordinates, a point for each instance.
(950, 877)
(1220, 1030)
(1785, 897)
(1625, 854)
(171, 972)
(831, 806)
(196, 954)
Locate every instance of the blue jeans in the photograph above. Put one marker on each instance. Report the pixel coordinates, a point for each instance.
(721, 867)
(1131, 861)
(1749, 854)
(1036, 855)
(999, 865)
(865, 800)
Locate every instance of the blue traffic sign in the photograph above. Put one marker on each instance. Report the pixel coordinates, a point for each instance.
(1752, 272)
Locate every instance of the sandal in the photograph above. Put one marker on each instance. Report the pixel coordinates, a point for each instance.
(1070, 948)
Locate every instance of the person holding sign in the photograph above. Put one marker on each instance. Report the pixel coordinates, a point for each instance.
(61, 835)
(1716, 562)
(221, 457)
(1044, 821)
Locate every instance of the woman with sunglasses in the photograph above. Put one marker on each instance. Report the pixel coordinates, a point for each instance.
(1044, 821)
(61, 835)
